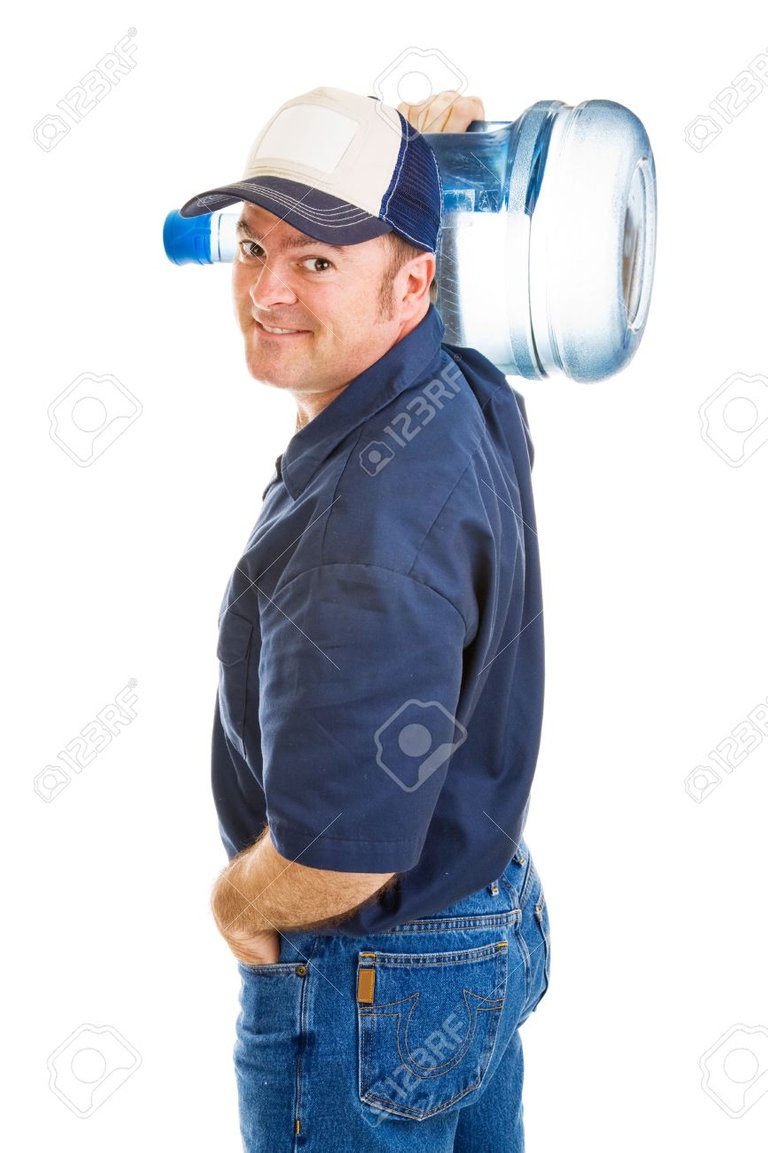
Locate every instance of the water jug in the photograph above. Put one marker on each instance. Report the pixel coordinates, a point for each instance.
(546, 253)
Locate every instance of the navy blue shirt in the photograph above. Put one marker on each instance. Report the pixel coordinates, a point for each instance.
(381, 639)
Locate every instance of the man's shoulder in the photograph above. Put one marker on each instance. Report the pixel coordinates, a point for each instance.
(414, 466)
(430, 426)
(430, 432)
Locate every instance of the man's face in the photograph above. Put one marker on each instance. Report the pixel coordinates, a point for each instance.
(328, 297)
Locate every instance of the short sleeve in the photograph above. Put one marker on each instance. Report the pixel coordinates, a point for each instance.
(360, 674)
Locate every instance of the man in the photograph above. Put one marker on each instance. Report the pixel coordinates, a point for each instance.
(379, 708)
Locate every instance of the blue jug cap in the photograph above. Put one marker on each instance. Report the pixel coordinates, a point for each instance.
(187, 240)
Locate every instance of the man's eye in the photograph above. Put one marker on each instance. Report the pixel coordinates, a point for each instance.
(313, 261)
(249, 249)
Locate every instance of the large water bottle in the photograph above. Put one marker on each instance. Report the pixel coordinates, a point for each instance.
(546, 254)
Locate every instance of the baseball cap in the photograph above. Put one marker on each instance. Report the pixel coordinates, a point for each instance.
(341, 168)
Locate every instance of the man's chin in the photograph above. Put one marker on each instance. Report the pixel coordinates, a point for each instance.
(266, 376)
(275, 371)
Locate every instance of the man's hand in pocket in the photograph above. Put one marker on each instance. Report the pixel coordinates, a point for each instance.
(235, 916)
(262, 948)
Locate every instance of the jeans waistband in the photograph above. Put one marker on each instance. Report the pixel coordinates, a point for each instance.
(504, 898)
(508, 892)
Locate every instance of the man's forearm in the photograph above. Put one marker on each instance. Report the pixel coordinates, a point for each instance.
(260, 891)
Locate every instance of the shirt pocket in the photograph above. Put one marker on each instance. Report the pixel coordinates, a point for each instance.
(428, 1024)
(233, 651)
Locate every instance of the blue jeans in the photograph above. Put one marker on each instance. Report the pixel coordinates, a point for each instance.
(402, 1040)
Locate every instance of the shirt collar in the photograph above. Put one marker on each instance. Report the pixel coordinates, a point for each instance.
(364, 396)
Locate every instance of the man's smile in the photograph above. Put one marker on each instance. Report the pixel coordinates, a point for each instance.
(279, 333)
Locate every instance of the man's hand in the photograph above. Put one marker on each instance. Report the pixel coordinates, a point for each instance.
(446, 112)
(255, 948)
(230, 907)
(261, 894)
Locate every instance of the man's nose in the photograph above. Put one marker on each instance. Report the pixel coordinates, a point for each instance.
(270, 287)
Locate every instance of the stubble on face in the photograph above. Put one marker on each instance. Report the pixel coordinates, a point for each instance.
(345, 318)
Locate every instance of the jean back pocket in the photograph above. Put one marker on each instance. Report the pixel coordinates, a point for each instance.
(427, 1026)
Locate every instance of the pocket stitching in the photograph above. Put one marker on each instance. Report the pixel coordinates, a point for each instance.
(233, 650)
(538, 911)
(234, 638)
(497, 952)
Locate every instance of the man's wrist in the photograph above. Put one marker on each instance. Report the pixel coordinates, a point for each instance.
(234, 903)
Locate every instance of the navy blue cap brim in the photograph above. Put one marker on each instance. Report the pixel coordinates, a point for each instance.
(315, 213)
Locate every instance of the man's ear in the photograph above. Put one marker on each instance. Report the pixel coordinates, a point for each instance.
(420, 272)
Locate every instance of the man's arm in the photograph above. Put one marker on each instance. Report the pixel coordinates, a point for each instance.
(261, 893)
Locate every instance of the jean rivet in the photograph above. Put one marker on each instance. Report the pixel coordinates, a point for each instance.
(301, 970)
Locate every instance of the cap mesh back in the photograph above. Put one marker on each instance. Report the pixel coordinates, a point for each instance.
(414, 199)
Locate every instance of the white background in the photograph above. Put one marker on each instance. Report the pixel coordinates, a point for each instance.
(652, 546)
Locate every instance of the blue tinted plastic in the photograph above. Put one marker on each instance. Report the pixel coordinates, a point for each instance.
(187, 240)
(546, 252)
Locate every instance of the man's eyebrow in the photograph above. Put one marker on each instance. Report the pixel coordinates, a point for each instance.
(244, 229)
